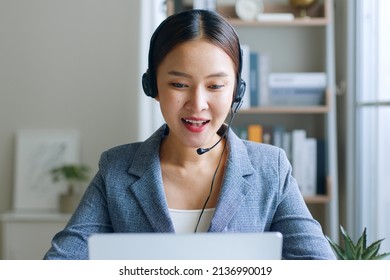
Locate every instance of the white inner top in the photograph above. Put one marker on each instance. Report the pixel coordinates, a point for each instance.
(184, 221)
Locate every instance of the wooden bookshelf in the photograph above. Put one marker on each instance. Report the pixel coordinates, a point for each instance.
(318, 16)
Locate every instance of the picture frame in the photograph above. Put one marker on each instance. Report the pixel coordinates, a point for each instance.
(36, 153)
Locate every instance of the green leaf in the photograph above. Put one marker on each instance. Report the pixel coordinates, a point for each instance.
(350, 250)
(361, 245)
(358, 251)
(340, 254)
(70, 173)
(372, 250)
(381, 256)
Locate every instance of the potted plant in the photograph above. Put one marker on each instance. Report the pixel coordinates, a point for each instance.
(72, 175)
(358, 250)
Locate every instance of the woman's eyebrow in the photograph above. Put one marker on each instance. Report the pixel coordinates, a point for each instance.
(179, 74)
(182, 74)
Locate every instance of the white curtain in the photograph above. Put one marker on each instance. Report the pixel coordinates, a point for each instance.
(372, 121)
(150, 118)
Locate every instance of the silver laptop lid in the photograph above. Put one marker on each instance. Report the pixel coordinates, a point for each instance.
(199, 246)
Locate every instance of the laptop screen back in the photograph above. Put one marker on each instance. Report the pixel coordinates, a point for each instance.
(199, 246)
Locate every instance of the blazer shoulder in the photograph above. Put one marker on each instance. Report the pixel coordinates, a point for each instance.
(119, 157)
(125, 150)
(265, 155)
(265, 150)
(134, 157)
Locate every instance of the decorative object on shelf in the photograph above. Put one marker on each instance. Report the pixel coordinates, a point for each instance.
(358, 250)
(37, 152)
(249, 9)
(72, 175)
(303, 6)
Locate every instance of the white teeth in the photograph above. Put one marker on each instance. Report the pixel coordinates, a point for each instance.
(195, 122)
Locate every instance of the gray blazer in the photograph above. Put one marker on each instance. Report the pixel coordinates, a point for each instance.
(258, 194)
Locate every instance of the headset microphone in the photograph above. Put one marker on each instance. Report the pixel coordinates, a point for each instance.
(201, 151)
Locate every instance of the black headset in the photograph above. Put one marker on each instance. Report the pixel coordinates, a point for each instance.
(149, 81)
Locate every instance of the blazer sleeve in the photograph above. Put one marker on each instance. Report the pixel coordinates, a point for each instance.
(302, 235)
(91, 216)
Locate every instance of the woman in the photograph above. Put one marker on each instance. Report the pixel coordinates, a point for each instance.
(194, 174)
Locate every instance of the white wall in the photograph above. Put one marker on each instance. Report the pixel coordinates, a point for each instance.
(68, 64)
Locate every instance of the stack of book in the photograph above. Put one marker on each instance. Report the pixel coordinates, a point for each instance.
(279, 89)
(304, 161)
(297, 89)
(255, 73)
(306, 154)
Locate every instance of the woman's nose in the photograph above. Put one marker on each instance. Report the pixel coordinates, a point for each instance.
(198, 99)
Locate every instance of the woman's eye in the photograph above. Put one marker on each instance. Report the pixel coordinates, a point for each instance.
(216, 86)
(178, 85)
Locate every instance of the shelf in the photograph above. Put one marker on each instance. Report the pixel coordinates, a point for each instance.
(286, 110)
(282, 23)
(317, 13)
(320, 109)
(323, 198)
(317, 199)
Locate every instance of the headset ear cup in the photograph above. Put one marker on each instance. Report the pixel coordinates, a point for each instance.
(241, 87)
(146, 84)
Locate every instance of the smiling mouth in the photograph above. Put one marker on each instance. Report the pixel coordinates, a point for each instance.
(196, 123)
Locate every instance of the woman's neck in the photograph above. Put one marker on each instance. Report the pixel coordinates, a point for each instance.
(173, 154)
(189, 178)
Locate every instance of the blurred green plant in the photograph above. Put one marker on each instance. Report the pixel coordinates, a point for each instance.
(71, 174)
(358, 250)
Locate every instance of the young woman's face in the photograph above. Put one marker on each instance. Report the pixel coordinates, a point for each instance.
(195, 81)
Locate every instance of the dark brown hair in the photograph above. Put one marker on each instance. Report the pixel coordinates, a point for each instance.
(189, 25)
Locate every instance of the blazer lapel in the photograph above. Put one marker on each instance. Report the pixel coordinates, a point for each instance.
(148, 189)
(235, 184)
(151, 198)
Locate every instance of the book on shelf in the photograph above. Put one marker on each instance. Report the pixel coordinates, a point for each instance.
(306, 154)
(253, 88)
(305, 161)
(260, 133)
(305, 89)
(298, 158)
(310, 186)
(298, 80)
(255, 133)
(296, 96)
(245, 74)
(241, 132)
(263, 67)
(278, 135)
(254, 72)
(321, 167)
(267, 135)
(286, 145)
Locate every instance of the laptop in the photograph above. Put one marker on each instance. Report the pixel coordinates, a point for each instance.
(199, 246)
